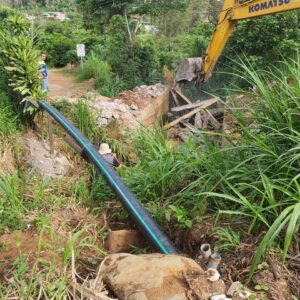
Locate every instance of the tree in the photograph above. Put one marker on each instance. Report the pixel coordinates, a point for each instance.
(96, 13)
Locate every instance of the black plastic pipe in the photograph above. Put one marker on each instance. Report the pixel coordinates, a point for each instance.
(144, 222)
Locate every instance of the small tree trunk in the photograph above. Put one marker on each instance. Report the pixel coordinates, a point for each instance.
(128, 27)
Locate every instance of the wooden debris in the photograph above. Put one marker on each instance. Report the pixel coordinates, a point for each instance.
(200, 117)
(183, 97)
(198, 121)
(175, 99)
(213, 120)
(205, 120)
(184, 117)
(203, 104)
(191, 127)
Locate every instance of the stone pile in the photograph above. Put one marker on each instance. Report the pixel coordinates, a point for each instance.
(144, 105)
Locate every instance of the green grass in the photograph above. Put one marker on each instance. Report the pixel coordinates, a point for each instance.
(227, 239)
(21, 194)
(256, 179)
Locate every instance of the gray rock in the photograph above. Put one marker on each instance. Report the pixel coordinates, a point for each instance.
(55, 166)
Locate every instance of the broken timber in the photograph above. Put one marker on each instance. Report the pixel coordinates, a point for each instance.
(184, 117)
(183, 97)
(202, 104)
(198, 107)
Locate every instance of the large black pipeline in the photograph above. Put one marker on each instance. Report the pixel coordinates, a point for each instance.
(140, 216)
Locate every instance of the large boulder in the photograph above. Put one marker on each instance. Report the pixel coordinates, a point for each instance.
(157, 277)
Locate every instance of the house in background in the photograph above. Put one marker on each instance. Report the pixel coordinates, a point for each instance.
(56, 16)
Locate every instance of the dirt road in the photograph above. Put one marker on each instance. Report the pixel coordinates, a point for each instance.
(63, 85)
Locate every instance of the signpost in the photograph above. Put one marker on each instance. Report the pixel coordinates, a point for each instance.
(80, 53)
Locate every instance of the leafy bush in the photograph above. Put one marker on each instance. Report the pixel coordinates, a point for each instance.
(134, 63)
(19, 60)
(57, 48)
(8, 117)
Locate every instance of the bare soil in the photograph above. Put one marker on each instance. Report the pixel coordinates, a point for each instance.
(62, 224)
(63, 85)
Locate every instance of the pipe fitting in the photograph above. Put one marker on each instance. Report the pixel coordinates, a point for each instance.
(205, 251)
(214, 261)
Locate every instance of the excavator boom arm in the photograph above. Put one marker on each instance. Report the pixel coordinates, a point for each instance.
(233, 11)
(257, 8)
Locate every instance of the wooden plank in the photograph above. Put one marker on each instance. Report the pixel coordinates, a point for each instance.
(184, 117)
(203, 104)
(175, 98)
(183, 97)
(213, 120)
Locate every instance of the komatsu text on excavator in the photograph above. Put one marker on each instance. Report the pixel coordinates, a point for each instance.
(200, 68)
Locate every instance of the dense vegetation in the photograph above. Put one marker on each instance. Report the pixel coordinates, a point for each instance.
(253, 176)
(116, 37)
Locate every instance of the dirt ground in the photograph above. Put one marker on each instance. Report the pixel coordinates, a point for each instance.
(63, 85)
(61, 223)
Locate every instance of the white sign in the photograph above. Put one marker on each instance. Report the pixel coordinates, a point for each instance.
(80, 50)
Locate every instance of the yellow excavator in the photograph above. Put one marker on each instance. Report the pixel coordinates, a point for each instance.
(200, 68)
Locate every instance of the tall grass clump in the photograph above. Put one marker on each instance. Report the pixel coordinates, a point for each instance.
(261, 181)
(96, 68)
(106, 82)
(163, 170)
(85, 120)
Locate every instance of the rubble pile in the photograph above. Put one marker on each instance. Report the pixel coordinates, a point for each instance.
(143, 105)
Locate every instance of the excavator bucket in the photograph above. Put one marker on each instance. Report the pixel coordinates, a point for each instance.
(189, 69)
